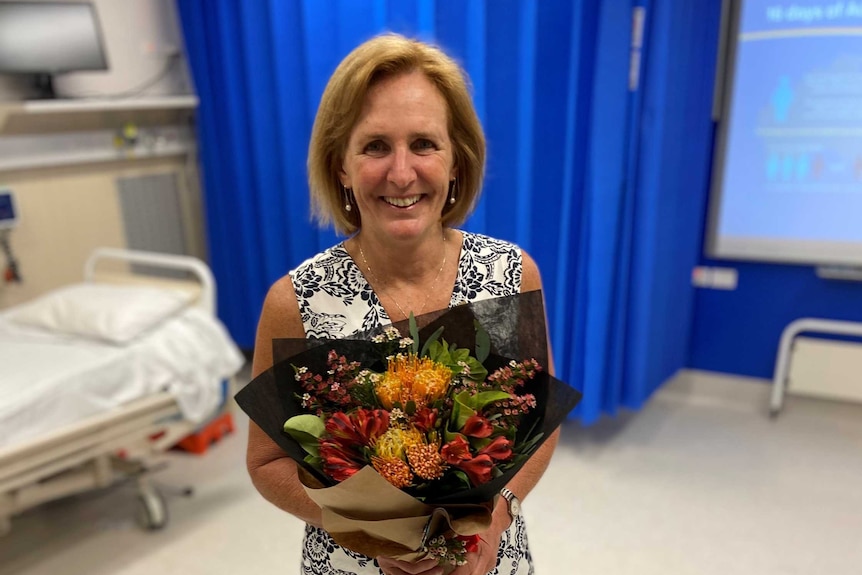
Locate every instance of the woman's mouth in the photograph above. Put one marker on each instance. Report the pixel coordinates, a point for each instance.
(404, 202)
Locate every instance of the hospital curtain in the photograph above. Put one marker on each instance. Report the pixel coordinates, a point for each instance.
(567, 148)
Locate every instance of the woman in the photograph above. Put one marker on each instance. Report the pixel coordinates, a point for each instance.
(396, 160)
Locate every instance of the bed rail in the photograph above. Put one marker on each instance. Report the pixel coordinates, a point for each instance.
(190, 264)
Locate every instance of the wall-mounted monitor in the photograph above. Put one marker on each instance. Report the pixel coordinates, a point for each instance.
(787, 173)
(46, 38)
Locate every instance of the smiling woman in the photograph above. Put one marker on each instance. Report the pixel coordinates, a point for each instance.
(399, 161)
(395, 161)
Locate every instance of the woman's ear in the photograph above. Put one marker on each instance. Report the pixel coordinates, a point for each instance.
(343, 177)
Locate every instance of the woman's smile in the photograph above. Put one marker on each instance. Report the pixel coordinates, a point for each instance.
(402, 202)
(399, 159)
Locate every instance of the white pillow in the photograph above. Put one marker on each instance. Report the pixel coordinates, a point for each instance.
(113, 313)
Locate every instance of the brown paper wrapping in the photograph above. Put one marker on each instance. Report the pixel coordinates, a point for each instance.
(369, 515)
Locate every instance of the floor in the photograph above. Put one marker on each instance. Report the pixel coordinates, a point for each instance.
(700, 481)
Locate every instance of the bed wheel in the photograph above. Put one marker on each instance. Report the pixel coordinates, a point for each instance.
(152, 512)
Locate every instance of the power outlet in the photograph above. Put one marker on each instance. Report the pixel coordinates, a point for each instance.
(715, 278)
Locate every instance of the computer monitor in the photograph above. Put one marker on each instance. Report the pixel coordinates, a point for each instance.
(46, 38)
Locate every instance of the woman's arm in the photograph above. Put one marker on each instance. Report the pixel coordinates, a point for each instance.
(272, 472)
(527, 478)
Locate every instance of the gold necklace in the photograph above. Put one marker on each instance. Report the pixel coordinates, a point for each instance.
(395, 301)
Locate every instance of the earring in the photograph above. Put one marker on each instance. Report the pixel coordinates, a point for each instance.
(347, 206)
(452, 192)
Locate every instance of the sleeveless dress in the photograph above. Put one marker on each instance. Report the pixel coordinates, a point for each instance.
(335, 300)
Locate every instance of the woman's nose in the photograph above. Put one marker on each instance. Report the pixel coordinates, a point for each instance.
(401, 172)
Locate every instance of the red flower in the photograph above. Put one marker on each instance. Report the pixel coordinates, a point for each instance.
(499, 449)
(456, 450)
(360, 428)
(471, 542)
(477, 469)
(371, 423)
(339, 463)
(477, 426)
(424, 419)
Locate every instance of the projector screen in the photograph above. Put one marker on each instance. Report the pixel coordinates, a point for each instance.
(787, 174)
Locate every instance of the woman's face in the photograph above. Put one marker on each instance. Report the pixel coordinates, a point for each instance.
(399, 159)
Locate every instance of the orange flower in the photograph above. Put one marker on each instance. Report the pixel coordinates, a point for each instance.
(426, 462)
(410, 378)
(395, 471)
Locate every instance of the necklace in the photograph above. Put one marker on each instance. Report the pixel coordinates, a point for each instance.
(395, 301)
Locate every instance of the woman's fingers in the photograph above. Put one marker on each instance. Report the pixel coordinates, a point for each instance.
(395, 567)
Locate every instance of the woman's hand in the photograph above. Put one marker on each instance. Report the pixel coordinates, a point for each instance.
(395, 567)
(483, 560)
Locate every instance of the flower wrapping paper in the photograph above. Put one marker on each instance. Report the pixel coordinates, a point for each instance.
(365, 512)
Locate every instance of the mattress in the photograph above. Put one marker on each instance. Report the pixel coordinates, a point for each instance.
(49, 380)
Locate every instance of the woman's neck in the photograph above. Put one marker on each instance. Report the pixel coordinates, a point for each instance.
(395, 262)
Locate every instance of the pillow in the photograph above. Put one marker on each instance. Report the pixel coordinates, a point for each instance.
(113, 313)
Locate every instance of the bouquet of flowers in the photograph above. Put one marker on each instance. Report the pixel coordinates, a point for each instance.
(407, 435)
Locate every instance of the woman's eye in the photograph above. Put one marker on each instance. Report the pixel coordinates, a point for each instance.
(424, 144)
(375, 147)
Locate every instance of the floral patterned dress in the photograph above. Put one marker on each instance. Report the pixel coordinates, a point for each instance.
(335, 300)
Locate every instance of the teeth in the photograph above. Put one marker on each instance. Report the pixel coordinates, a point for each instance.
(402, 202)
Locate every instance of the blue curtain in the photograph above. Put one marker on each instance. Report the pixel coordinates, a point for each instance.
(567, 149)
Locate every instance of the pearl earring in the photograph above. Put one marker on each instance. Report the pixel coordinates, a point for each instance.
(347, 206)
(452, 193)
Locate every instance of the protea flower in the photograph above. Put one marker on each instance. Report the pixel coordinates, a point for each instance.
(396, 441)
(410, 378)
(393, 470)
(425, 461)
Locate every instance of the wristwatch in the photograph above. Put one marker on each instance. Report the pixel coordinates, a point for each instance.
(512, 502)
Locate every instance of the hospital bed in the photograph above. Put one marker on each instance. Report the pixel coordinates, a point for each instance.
(98, 379)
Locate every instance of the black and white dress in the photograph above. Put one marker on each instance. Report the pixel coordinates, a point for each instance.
(335, 300)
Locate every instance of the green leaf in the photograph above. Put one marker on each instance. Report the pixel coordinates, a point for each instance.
(414, 333)
(461, 411)
(463, 477)
(480, 400)
(306, 429)
(530, 445)
(459, 354)
(314, 461)
(431, 340)
(479, 444)
(483, 343)
(449, 436)
(477, 370)
(410, 408)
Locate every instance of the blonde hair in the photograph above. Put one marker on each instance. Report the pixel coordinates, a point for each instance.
(341, 104)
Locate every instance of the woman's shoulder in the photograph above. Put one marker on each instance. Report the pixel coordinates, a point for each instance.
(336, 255)
(531, 278)
(479, 242)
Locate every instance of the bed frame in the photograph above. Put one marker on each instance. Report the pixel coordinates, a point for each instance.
(124, 443)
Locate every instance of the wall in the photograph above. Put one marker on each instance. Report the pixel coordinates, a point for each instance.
(738, 331)
(65, 213)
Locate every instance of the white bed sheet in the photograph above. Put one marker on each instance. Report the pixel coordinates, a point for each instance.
(48, 380)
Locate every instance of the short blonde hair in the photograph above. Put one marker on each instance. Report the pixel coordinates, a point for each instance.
(341, 104)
